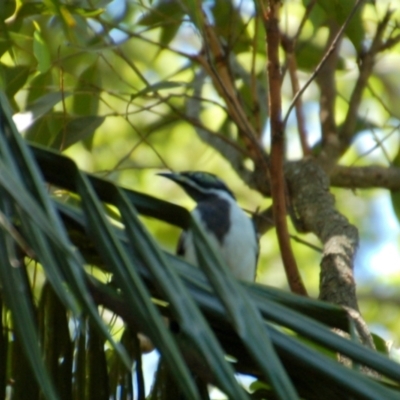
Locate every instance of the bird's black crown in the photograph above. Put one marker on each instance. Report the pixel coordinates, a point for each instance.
(199, 184)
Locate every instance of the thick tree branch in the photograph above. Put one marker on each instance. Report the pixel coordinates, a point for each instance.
(370, 177)
(373, 176)
(314, 205)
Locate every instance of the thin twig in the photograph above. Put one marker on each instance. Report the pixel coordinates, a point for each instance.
(367, 61)
(322, 62)
(380, 100)
(308, 244)
(303, 21)
(288, 46)
(379, 143)
(254, 82)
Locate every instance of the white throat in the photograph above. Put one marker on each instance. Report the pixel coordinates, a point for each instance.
(238, 247)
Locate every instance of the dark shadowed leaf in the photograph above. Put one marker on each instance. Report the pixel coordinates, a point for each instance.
(44, 104)
(13, 78)
(75, 130)
(337, 10)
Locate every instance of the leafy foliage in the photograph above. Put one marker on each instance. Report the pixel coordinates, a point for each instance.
(130, 85)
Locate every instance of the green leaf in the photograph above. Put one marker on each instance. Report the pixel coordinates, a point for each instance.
(76, 130)
(86, 99)
(86, 93)
(267, 300)
(183, 308)
(229, 25)
(164, 12)
(45, 8)
(12, 281)
(195, 12)
(246, 318)
(13, 78)
(167, 15)
(61, 261)
(85, 12)
(45, 129)
(41, 52)
(39, 86)
(309, 55)
(380, 344)
(44, 104)
(339, 11)
(32, 8)
(127, 277)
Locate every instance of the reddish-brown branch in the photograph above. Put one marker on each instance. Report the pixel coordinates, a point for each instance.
(271, 21)
(217, 67)
(216, 64)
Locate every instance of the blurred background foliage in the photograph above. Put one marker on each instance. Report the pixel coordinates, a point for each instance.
(111, 84)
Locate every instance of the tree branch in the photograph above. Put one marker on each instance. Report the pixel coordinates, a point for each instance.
(323, 61)
(311, 200)
(288, 46)
(216, 64)
(373, 176)
(235, 157)
(327, 86)
(271, 22)
(335, 149)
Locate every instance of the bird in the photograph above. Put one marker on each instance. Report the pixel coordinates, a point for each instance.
(231, 232)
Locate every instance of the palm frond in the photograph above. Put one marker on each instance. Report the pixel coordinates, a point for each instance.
(274, 336)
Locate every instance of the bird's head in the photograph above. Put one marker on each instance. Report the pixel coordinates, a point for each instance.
(198, 185)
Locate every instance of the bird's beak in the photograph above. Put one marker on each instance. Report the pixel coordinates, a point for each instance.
(176, 177)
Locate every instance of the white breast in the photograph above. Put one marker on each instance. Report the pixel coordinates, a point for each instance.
(239, 248)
